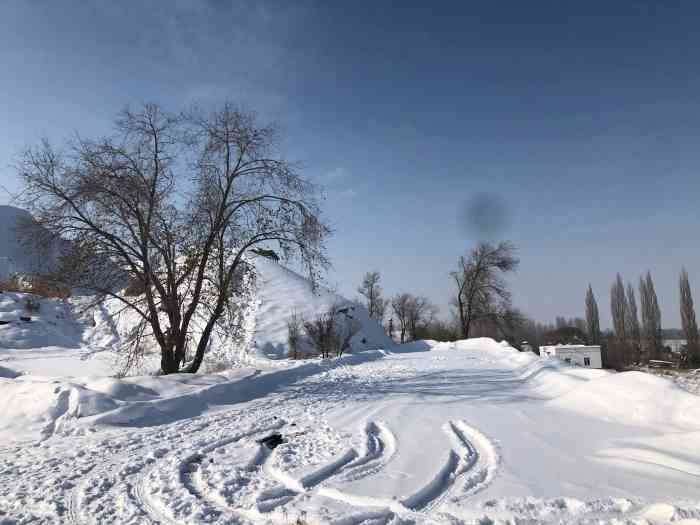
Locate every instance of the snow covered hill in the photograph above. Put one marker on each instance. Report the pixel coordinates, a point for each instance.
(16, 256)
(281, 292)
(13, 255)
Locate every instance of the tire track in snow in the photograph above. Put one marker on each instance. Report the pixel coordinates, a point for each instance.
(471, 465)
(473, 462)
(380, 446)
(185, 470)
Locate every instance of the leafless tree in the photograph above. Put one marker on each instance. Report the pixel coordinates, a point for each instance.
(688, 322)
(412, 313)
(294, 335)
(331, 332)
(173, 202)
(592, 317)
(651, 318)
(482, 293)
(618, 308)
(420, 313)
(371, 290)
(401, 304)
(632, 323)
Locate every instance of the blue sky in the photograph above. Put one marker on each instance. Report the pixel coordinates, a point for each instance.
(580, 119)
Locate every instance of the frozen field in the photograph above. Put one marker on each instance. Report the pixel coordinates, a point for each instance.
(470, 432)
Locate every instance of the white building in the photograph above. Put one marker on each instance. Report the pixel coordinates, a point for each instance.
(676, 345)
(581, 355)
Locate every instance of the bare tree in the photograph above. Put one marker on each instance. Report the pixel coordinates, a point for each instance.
(482, 293)
(400, 304)
(412, 312)
(632, 323)
(173, 202)
(331, 332)
(688, 322)
(592, 317)
(646, 320)
(371, 290)
(651, 318)
(294, 335)
(420, 313)
(618, 309)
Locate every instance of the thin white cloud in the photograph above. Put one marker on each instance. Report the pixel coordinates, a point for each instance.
(336, 173)
(348, 193)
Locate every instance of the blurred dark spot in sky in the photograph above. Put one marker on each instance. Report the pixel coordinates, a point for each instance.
(486, 216)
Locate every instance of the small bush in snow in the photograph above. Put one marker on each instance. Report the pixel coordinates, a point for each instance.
(330, 332)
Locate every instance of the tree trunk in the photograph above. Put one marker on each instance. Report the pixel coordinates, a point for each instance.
(168, 362)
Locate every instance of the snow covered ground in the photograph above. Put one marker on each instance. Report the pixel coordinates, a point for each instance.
(471, 432)
(466, 432)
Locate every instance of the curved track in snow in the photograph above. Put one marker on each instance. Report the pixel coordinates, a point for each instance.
(470, 466)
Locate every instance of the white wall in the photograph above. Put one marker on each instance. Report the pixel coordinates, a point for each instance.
(575, 354)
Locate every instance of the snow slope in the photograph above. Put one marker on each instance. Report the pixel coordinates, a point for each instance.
(15, 256)
(468, 432)
(281, 292)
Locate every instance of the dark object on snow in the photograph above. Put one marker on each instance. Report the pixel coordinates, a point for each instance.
(193, 463)
(5, 322)
(25, 318)
(270, 254)
(272, 441)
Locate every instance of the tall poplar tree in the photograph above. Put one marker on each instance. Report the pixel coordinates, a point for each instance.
(688, 322)
(592, 317)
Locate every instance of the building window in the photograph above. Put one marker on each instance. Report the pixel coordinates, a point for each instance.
(567, 359)
(586, 361)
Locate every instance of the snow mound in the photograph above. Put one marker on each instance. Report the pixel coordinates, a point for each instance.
(39, 409)
(634, 398)
(8, 373)
(51, 325)
(282, 292)
(16, 256)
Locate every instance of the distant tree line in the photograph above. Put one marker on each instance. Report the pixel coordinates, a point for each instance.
(482, 301)
(637, 335)
(482, 307)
